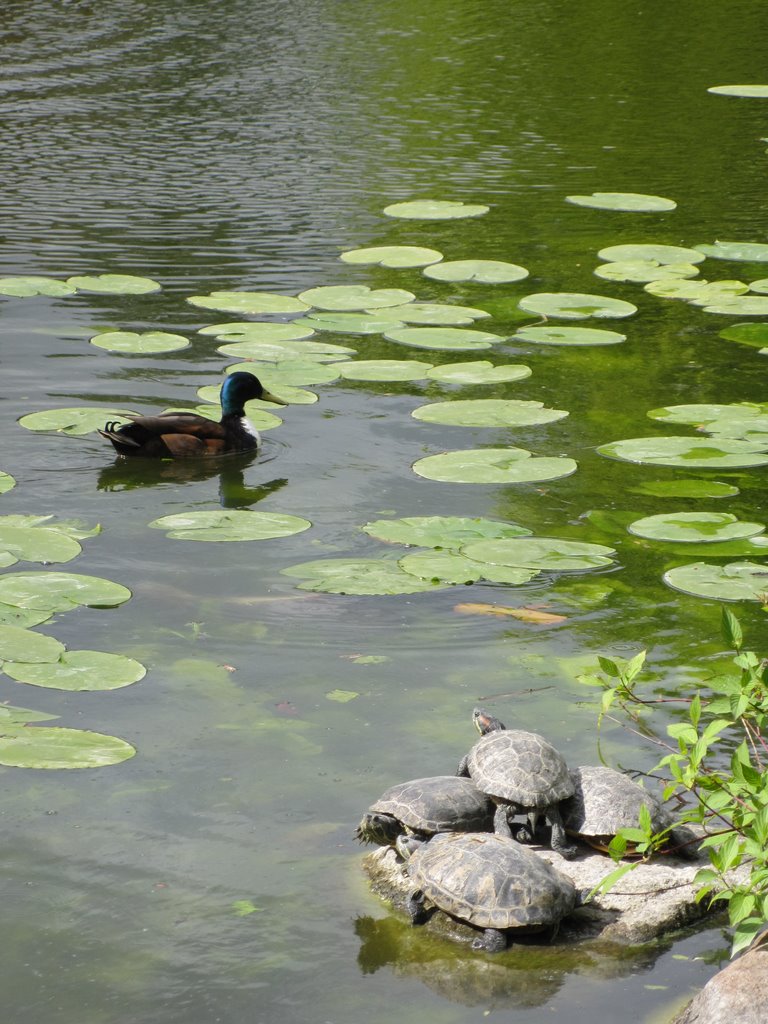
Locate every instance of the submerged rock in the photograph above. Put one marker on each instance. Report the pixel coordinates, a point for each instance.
(736, 995)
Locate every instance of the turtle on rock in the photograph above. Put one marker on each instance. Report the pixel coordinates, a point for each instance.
(487, 881)
(523, 774)
(422, 807)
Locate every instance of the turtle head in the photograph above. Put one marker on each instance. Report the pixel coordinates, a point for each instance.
(406, 845)
(242, 387)
(485, 722)
(381, 829)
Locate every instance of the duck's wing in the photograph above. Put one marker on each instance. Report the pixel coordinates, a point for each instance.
(175, 433)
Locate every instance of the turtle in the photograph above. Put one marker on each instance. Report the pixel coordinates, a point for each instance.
(523, 774)
(440, 803)
(605, 801)
(486, 880)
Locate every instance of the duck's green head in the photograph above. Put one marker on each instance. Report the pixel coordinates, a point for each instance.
(242, 387)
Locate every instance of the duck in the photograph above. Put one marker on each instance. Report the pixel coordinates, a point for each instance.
(185, 434)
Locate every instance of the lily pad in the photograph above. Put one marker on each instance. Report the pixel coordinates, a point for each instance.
(350, 323)
(748, 252)
(630, 202)
(362, 576)
(642, 271)
(759, 287)
(576, 305)
(754, 335)
(59, 591)
(24, 618)
(249, 302)
(24, 287)
(687, 452)
(316, 351)
(701, 293)
(651, 251)
(443, 338)
(114, 284)
(37, 544)
(450, 532)
(568, 336)
(484, 271)
(492, 466)
(74, 422)
(291, 372)
(393, 256)
(7, 482)
(128, 343)
(79, 670)
(354, 297)
(55, 747)
(694, 527)
(230, 524)
(442, 566)
(259, 418)
(435, 314)
(736, 581)
(686, 489)
(479, 372)
(434, 209)
(249, 330)
(735, 419)
(541, 553)
(739, 305)
(753, 91)
(488, 412)
(290, 395)
(25, 645)
(384, 369)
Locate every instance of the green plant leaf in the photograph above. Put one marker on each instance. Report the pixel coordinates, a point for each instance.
(114, 284)
(444, 338)
(37, 544)
(349, 323)
(342, 696)
(754, 335)
(749, 252)
(488, 412)
(484, 271)
(700, 293)
(307, 351)
(736, 581)
(555, 335)
(450, 532)
(542, 553)
(575, 305)
(687, 452)
(7, 482)
(59, 591)
(631, 202)
(359, 576)
(443, 566)
(25, 645)
(230, 525)
(24, 287)
(75, 422)
(739, 305)
(665, 254)
(54, 747)
(492, 466)
(642, 271)
(686, 489)
(760, 91)
(79, 670)
(479, 372)
(384, 369)
(437, 314)
(250, 330)
(128, 343)
(354, 297)
(289, 372)
(249, 302)
(434, 209)
(393, 256)
(694, 527)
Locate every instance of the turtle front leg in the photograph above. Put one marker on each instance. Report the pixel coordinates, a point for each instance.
(462, 769)
(501, 824)
(559, 842)
(416, 906)
(493, 941)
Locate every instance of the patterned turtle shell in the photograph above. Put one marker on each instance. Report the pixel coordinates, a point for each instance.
(519, 767)
(605, 801)
(440, 803)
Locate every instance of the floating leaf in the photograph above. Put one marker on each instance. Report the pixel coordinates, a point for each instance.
(754, 335)
(114, 284)
(249, 302)
(437, 314)
(736, 581)
(479, 372)
(749, 252)
(760, 287)
(24, 645)
(243, 908)
(23, 287)
(393, 256)
(492, 466)
(488, 412)
(384, 369)
(24, 618)
(342, 696)
(701, 293)
(631, 202)
(314, 351)
(694, 527)
(128, 343)
(357, 576)
(533, 615)
(575, 305)
(293, 396)
(686, 489)
(249, 330)
(74, 422)
(7, 482)
(484, 271)
(651, 251)
(434, 209)
(79, 670)
(354, 297)
(542, 553)
(441, 531)
(444, 338)
(59, 591)
(259, 418)
(349, 323)
(568, 336)
(54, 747)
(740, 90)
(292, 372)
(641, 271)
(12, 716)
(369, 659)
(444, 566)
(735, 420)
(37, 544)
(230, 524)
(687, 452)
(739, 305)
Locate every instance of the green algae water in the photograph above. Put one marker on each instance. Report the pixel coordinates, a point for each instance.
(225, 145)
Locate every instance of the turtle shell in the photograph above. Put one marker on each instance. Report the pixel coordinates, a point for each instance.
(520, 768)
(440, 803)
(490, 881)
(605, 801)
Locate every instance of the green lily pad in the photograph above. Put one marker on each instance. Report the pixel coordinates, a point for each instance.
(642, 271)
(291, 395)
(650, 251)
(555, 335)
(442, 566)
(24, 645)
(350, 323)
(79, 670)
(434, 209)
(249, 302)
(701, 293)
(230, 524)
(343, 696)
(55, 747)
(687, 452)
(128, 343)
(734, 420)
(259, 418)
(754, 335)
(484, 271)
(759, 287)
(736, 581)
(686, 489)
(575, 305)
(74, 422)
(354, 297)
(314, 351)
(440, 531)
(479, 372)
(739, 305)
(749, 252)
(492, 466)
(488, 412)
(753, 91)
(24, 618)
(14, 717)
(59, 591)
(7, 482)
(249, 330)
(541, 553)
(384, 369)
(443, 338)
(694, 527)
(630, 202)
(37, 544)
(393, 256)
(361, 576)
(434, 314)
(114, 284)
(24, 287)
(291, 372)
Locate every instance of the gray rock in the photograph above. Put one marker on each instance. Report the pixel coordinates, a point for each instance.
(736, 995)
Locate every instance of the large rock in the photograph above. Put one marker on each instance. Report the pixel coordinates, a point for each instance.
(737, 995)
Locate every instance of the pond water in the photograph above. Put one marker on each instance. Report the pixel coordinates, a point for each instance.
(243, 144)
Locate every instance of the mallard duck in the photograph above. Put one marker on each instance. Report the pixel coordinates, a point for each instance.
(182, 434)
